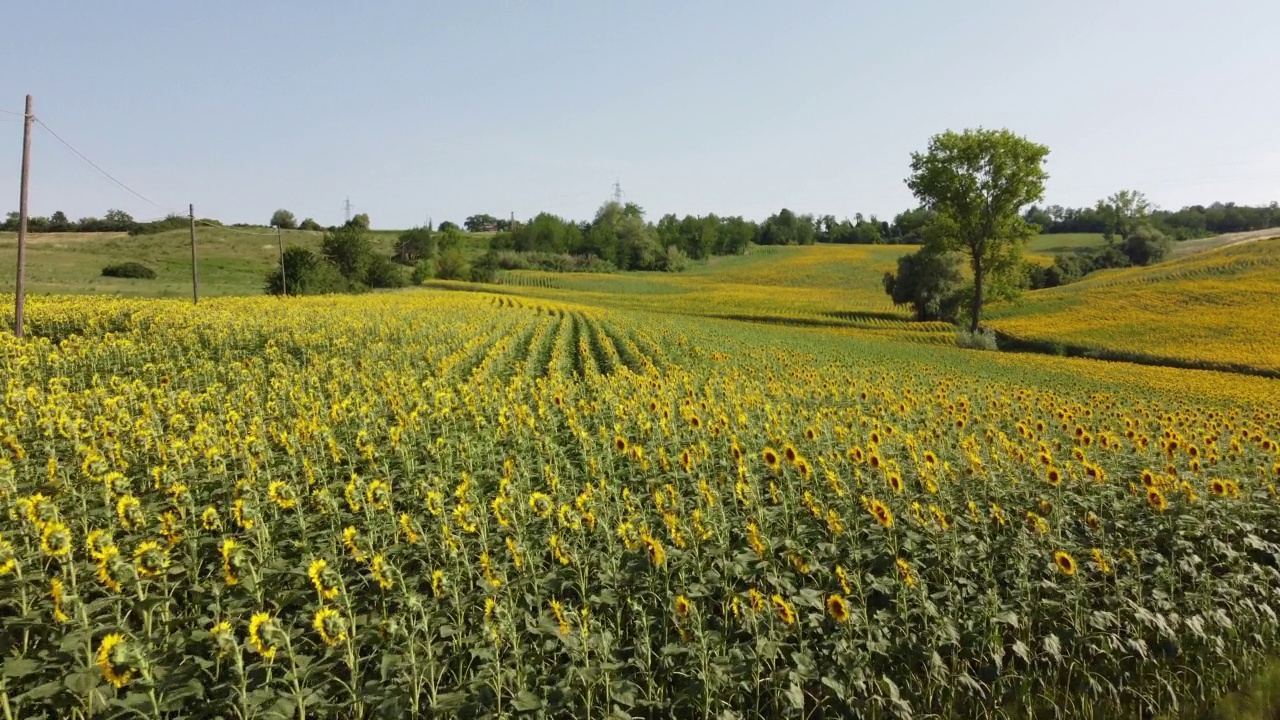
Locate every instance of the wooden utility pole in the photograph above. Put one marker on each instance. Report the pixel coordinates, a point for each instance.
(195, 281)
(20, 293)
(284, 281)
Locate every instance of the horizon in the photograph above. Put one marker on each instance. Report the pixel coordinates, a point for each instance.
(449, 112)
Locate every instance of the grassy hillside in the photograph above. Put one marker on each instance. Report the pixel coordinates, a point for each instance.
(232, 261)
(1212, 307)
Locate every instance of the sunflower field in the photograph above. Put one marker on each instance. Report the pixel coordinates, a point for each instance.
(434, 504)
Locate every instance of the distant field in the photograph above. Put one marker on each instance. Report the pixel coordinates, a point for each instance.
(230, 262)
(1217, 307)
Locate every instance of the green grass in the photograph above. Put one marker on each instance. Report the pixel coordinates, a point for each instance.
(231, 261)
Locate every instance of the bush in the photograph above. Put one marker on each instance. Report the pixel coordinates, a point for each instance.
(551, 262)
(306, 274)
(675, 259)
(310, 224)
(382, 273)
(981, 339)
(452, 265)
(129, 270)
(423, 271)
(929, 282)
(415, 245)
(1147, 245)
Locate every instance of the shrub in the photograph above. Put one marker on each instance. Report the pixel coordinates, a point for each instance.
(310, 224)
(306, 273)
(980, 339)
(929, 282)
(423, 271)
(129, 270)
(1146, 245)
(452, 265)
(382, 273)
(415, 245)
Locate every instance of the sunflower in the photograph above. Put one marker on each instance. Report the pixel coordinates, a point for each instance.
(107, 563)
(324, 578)
(129, 511)
(1232, 488)
(1064, 562)
(379, 570)
(837, 608)
(653, 548)
(620, 443)
(904, 570)
(1148, 479)
(243, 515)
(756, 598)
(855, 455)
(224, 637)
(1218, 487)
(262, 631)
(1100, 560)
(541, 504)
(330, 625)
(378, 495)
(786, 613)
(55, 539)
(940, 517)
(930, 460)
(437, 583)
(231, 560)
(770, 457)
(280, 493)
(881, 513)
(57, 593)
(683, 607)
(1092, 521)
(895, 482)
(97, 543)
(1053, 476)
(113, 658)
(351, 540)
(149, 559)
(790, 453)
(1156, 500)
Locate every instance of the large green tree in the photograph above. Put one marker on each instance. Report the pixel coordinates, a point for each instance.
(977, 182)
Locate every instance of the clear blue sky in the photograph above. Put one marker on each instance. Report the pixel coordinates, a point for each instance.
(415, 109)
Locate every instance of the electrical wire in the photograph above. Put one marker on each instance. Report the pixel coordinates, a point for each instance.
(95, 166)
(10, 112)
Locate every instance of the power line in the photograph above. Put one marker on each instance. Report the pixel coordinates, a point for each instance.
(95, 167)
(10, 112)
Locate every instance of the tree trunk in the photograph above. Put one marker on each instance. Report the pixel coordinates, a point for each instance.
(976, 313)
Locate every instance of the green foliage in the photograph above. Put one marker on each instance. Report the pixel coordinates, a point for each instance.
(129, 270)
(479, 223)
(929, 282)
(422, 271)
(284, 220)
(311, 225)
(451, 264)
(171, 222)
(1146, 245)
(414, 246)
(306, 273)
(977, 183)
(447, 226)
(980, 339)
(381, 272)
(787, 228)
(1121, 212)
(361, 220)
(348, 249)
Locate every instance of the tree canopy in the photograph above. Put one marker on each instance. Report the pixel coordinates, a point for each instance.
(976, 183)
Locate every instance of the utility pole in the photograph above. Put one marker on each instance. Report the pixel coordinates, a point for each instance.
(346, 208)
(284, 282)
(20, 294)
(195, 282)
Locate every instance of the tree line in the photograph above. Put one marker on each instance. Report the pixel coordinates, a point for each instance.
(1190, 222)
